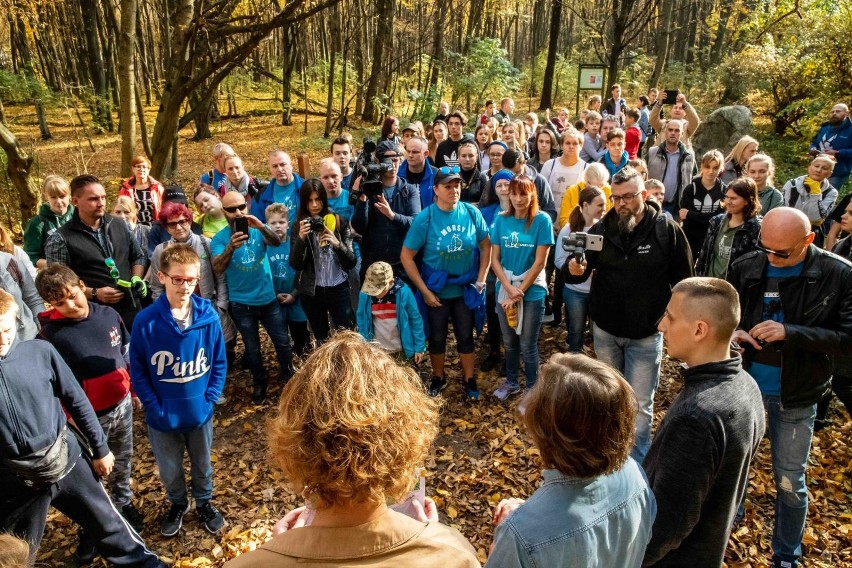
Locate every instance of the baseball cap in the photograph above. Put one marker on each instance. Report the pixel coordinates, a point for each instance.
(174, 193)
(377, 278)
(387, 147)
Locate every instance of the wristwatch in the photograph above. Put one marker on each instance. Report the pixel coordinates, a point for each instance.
(94, 294)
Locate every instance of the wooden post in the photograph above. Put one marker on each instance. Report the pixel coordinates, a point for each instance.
(304, 165)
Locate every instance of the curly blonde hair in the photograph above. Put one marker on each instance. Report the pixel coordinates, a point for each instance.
(352, 425)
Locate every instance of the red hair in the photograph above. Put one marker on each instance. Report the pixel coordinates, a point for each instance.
(140, 160)
(524, 185)
(174, 209)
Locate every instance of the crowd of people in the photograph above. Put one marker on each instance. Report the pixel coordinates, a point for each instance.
(611, 224)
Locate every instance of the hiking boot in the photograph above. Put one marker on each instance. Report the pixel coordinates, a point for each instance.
(173, 520)
(506, 390)
(86, 550)
(132, 515)
(471, 390)
(437, 385)
(211, 517)
(487, 365)
(258, 395)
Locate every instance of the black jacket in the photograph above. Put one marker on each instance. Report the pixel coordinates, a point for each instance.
(745, 240)
(382, 238)
(633, 280)
(304, 251)
(35, 386)
(698, 464)
(817, 319)
(473, 188)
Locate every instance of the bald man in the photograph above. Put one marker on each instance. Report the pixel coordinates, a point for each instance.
(797, 310)
(835, 139)
(698, 463)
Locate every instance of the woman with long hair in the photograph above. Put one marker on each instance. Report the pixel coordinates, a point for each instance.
(390, 129)
(588, 211)
(546, 148)
(125, 208)
(521, 238)
(761, 169)
(482, 135)
(511, 137)
(737, 158)
(733, 233)
(322, 254)
(440, 132)
(145, 191)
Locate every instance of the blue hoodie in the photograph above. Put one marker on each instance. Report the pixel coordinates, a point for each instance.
(408, 319)
(427, 184)
(177, 374)
(265, 198)
(836, 138)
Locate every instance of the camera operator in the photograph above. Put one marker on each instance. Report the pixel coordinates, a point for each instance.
(382, 219)
(651, 253)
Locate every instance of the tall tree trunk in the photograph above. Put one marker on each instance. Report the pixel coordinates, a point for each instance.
(552, 44)
(334, 36)
(29, 72)
(663, 38)
(437, 44)
(288, 47)
(381, 45)
(96, 64)
(18, 169)
(721, 33)
(127, 84)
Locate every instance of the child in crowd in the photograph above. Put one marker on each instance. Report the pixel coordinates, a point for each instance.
(93, 341)
(592, 150)
(632, 133)
(43, 463)
(702, 199)
(51, 215)
(615, 157)
(657, 191)
(388, 314)
(640, 166)
(8, 246)
(178, 367)
(124, 208)
(284, 279)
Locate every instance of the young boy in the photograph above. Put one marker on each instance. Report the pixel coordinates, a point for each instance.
(632, 132)
(657, 191)
(615, 157)
(388, 314)
(592, 150)
(41, 462)
(53, 214)
(178, 366)
(284, 279)
(93, 341)
(702, 199)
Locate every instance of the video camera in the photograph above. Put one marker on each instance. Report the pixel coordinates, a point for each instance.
(577, 244)
(370, 172)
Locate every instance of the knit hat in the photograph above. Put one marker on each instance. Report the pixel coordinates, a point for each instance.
(502, 174)
(377, 278)
(174, 193)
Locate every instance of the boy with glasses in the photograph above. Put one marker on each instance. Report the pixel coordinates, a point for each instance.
(178, 367)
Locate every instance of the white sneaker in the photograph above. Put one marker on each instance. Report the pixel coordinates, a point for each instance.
(506, 390)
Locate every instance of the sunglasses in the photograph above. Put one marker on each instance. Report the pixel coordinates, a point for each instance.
(447, 170)
(235, 208)
(178, 223)
(778, 253)
(113, 269)
(180, 280)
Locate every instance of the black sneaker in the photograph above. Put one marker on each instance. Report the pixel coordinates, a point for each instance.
(471, 390)
(487, 365)
(86, 550)
(437, 385)
(132, 515)
(259, 394)
(211, 517)
(171, 524)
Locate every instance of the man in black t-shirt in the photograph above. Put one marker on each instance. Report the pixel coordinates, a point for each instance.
(447, 153)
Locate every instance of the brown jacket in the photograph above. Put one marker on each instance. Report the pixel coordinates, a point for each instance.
(391, 541)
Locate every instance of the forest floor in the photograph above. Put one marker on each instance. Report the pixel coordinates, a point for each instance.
(481, 455)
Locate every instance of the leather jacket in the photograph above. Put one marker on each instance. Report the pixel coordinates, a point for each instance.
(304, 251)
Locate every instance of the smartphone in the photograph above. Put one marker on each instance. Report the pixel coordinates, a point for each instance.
(671, 96)
(241, 225)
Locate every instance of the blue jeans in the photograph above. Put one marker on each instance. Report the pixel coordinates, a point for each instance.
(790, 434)
(577, 306)
(838, 181)
(248, 320)
(639, 361)
(168, 448)
(524, 345)
(118, 427)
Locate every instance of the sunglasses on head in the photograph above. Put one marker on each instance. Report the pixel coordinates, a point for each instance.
(447, 170)
(235, 208)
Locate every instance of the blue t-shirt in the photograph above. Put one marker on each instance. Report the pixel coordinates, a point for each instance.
(518, 245)
(766, 367)
(217, 182)
(287, 195)
(448, 240)
(284, 279)
(341, 205)
(249, 277)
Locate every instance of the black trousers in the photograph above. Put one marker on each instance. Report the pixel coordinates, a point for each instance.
(80, 496)
(840, 386)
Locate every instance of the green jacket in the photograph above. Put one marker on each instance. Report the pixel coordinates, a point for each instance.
(40, 227)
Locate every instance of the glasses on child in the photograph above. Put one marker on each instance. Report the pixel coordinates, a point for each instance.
(447, 170)
(178, 223)
(235, 208)
(180, 280)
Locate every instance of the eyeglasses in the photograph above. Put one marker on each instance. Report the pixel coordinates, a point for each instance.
(627, 199)
(180, 280)
(235, 208)
(113, 269)
(178, 223)
(446, 170)
(495, 154)
(778, 253)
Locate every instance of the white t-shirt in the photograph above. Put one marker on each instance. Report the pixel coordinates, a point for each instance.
(561, 177)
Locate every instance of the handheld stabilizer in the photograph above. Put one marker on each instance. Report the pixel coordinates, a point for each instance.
(578, 243)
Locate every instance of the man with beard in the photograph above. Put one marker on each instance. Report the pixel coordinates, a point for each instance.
(835, 139)
(643, 256)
